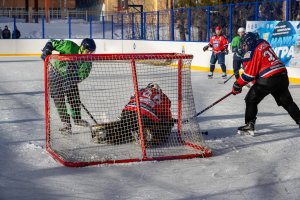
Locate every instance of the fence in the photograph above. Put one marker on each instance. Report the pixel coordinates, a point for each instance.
(184, 24)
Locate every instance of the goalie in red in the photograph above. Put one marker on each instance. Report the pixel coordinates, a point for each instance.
(156, 116)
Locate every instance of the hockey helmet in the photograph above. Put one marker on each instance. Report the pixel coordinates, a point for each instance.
(218, 28)
(87, 46)
(153, 85)
(248, 41)
(241, 30)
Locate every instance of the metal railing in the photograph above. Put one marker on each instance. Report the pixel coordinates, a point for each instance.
(184, 24)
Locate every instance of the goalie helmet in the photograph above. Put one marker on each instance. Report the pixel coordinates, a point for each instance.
(88, 45)
(153, 85)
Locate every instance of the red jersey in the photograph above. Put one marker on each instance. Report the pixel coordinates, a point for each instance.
(218, 43)
(154, 104)
(260, 62)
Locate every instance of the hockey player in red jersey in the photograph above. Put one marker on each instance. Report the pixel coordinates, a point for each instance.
(155, 108)
(262, 65)
(219, 44)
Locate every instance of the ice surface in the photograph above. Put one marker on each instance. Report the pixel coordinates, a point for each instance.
(262, 167)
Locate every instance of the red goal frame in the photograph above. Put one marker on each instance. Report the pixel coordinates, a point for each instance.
(203, 150)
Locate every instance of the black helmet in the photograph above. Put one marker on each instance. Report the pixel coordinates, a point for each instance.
(88, 44)
(250, 39)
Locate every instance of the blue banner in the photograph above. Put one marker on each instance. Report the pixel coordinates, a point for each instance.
(284, 37)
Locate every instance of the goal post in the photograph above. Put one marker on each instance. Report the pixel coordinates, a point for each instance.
(139, 107)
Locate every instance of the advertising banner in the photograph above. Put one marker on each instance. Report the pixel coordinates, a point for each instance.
(284, 37)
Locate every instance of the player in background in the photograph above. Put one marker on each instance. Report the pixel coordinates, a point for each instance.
(238, 53)
(6, 33)
(156, 119)
(262, 65)
(219, 44)
(64, 77)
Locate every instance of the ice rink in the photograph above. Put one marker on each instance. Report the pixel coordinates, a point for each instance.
(242, 167)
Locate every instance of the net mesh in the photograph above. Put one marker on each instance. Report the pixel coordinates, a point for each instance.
(102, 109)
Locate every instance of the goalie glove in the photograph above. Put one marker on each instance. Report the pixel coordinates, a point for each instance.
(47, 50)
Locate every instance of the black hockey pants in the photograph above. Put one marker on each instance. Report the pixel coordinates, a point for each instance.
(277, 86)
(58, 91)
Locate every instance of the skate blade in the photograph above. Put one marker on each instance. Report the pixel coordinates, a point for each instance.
(247, 133)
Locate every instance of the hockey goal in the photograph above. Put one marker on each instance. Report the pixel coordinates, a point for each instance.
(116, 133)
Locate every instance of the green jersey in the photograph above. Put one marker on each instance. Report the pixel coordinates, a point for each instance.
(235, 43)
(235, 46)
(83, 68)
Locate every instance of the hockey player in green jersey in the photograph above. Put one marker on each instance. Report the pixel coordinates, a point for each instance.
(64, 78)
(238, 54)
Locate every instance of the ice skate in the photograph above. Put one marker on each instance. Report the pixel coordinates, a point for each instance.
(247, 129)
(81, 122)
(65, 128)
(224, 76)
(210, 75)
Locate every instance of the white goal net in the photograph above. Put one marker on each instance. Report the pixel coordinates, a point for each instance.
(114, 108)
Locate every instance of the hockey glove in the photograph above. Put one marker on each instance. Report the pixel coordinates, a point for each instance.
(234, 49)
(236, 88)
(47, 50)
(45, 54)
(240, 52)
(205, 48)
(226, 51)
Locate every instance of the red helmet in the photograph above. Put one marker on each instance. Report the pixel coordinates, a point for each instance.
(218, 28)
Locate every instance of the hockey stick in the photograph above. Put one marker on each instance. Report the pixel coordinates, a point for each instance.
(218, 101)
(202, 111)
(88, 112)
(223, 82)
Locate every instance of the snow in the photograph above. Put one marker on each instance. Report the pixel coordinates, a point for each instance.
(243, 167)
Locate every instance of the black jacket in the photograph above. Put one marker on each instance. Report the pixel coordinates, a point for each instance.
(6, 34)
(16, 34)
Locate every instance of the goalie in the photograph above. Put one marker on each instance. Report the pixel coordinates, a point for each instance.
(155, 108)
